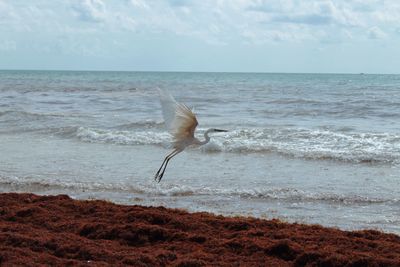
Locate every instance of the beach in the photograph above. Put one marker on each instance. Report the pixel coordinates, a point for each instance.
(199, 133)
(60, 231)
(307, 173)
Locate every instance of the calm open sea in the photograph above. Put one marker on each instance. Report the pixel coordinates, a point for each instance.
(315, 148)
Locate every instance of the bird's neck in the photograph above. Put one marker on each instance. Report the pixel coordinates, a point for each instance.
(207, 138)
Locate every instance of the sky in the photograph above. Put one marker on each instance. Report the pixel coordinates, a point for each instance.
(315, 36)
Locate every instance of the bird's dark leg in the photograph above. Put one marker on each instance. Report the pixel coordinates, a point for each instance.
(170, 156)
(167, 159)
(165, 167)
(158, 172)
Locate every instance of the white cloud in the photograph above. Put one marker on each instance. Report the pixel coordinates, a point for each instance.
(213, 22)
(323, 13)
(376, 33)
(151, 30)
(312, 19)
(139, 3)
(90, 10)
(7, 14)
(387, 12)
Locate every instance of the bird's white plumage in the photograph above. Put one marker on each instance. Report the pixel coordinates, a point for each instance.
(168, 106)
(179, 119)
(181, 123)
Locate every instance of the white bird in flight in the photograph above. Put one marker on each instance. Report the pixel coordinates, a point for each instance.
(181, 123)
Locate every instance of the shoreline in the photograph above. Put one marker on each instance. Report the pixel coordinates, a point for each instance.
(57, 230)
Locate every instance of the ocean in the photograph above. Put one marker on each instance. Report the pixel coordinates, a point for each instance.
(307, 148)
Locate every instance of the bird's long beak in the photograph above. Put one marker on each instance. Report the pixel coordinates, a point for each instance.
(219, 130)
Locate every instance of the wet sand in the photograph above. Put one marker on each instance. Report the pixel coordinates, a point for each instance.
(57, 230)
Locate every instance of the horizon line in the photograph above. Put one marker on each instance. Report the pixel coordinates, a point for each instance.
(183, 71)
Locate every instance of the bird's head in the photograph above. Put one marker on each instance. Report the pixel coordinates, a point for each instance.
(217, 130)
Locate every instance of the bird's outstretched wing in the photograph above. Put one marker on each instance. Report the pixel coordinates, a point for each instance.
(179, 119)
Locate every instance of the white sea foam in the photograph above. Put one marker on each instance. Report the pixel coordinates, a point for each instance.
(180, 191)
(294, 142)
(122, 137)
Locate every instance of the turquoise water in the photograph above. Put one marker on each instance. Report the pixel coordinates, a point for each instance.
(319, 148)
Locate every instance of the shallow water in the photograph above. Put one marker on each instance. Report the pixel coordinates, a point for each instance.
(313, 148)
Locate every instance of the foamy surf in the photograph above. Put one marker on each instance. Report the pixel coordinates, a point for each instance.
(121, 137)
(292, 142)
(288, 194)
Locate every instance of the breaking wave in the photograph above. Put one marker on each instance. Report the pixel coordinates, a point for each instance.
(342, 144)
(293, 142)
(180, 191)
(282, 194)
(122, 137)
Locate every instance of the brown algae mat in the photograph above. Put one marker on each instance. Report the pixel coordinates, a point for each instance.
(59, 231)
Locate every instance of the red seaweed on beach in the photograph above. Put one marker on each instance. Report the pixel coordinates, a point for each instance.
(57, 230)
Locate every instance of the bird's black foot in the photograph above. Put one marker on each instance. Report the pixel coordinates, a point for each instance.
(159, 177)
